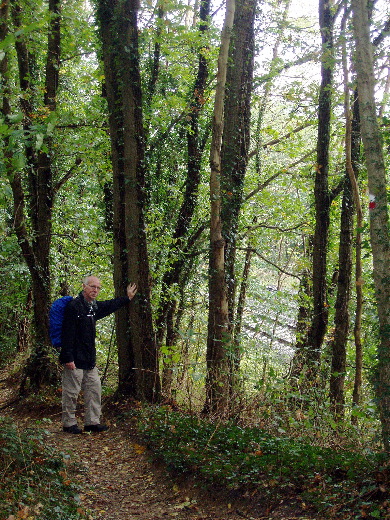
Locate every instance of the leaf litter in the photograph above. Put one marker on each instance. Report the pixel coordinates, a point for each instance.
(118, 480)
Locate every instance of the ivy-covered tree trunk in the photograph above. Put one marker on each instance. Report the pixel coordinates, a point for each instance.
(181, 242)
(137, 352)
(322, 196)
(355, 159)
(236, 135)
(350, 205)
(379, 212)
(341, 320)
(34, 237)
(234, 161)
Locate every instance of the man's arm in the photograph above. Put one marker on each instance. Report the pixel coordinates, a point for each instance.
(106, 307)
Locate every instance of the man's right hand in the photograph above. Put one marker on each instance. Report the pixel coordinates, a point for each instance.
(70, 365)
(131, 290)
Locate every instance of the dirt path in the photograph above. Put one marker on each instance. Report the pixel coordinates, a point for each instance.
(118, 480)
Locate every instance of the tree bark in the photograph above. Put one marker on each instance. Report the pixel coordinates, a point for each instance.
(137, 352)
(217, 379)
(322, 196)
(341, 320)
(35, 245)
(379, 213)
(236, 135)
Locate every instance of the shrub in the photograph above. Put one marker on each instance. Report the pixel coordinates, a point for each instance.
(34, 479)
(250, 458)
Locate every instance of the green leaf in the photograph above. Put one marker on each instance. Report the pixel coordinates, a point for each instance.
(15, 118)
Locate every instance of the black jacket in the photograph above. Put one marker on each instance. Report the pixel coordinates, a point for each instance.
(79, 329)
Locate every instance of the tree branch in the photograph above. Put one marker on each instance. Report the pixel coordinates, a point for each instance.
(300, 61)
(67, 176)
(273, 177)
(383, 34)
(256, 252)
(279, 139)
(277, 228)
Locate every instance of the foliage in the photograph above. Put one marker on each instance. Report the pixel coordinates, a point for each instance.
(35, 483)
(337, 482)
(14, 285)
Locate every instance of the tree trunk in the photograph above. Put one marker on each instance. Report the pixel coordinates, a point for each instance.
(178, 248)
(35, 245)
(379, 214)
(105, 16)
(351, 194)
(236, 135)
(240, 312)
(137, 352)
(217, 379)
(341, 320)
(319, 322)
(355, 160)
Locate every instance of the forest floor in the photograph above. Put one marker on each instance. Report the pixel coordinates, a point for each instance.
(119, 480)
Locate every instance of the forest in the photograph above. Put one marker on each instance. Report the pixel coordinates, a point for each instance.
(231, 159)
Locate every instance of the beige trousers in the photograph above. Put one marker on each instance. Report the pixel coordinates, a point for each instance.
(73, 381)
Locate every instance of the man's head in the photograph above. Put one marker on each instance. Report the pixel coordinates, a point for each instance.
(91, 288)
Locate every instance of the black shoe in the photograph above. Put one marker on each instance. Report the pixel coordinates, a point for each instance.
(72, 429)
(98, 428)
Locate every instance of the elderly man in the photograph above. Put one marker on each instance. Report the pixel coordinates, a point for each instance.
(78, 354)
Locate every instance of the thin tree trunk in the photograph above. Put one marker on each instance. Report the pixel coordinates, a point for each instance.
(353, 160)
(240, 312)
(24, 326)
(351, 200)
(176, 255)
(322, 197)
(341, 320)
(217, 379)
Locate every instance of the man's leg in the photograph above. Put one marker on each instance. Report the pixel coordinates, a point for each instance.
(71, 385)
(92, 390)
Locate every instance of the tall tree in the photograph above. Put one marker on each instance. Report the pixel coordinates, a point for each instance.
(350, 203)
(236, 134)
(235, 150)
(178, 248)
(321, 190)
(312, 344)
(137, 352)
(217, 381)
(33, 220)
(379, 212)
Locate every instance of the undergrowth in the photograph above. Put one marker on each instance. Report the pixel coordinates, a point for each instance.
(34, 480)
(338, 483)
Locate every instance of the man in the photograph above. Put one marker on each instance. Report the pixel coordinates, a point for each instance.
(78, 354)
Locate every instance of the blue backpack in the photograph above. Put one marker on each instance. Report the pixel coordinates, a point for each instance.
(56, 317)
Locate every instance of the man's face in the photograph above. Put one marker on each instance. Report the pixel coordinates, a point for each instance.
(91, 288)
